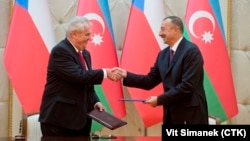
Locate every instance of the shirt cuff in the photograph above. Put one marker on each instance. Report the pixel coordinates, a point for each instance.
(104, 73)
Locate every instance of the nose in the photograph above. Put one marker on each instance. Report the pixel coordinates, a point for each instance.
(160, 33)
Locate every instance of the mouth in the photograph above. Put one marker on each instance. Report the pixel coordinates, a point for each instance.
(162, 36)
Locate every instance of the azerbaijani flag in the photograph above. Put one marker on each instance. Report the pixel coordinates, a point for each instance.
(29, 42)
(103, 53)
(205, 28)
(141, 46)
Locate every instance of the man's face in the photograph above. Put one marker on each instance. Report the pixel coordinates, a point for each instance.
(167, 31)
(82, 37)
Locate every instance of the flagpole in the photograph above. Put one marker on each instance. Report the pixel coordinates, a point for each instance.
(10, 86)
(10, 115)
(229, 10)
(228, 26)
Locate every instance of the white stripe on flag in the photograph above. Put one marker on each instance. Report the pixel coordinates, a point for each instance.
(39, 12)
(154, 12)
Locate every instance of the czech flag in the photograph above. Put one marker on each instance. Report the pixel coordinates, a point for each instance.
(141, 46)
(29, 42)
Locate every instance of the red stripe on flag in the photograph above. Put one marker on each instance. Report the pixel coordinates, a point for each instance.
(138, 55)
(204, 30)
(103, 53)
(25, 59)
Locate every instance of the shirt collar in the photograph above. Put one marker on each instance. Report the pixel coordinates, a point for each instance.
(174, 47)
(74, 46)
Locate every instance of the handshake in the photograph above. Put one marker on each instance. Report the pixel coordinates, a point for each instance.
(116, 73)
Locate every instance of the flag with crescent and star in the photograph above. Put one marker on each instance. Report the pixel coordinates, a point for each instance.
(204, 27)
(103, 53)
(141, 46)
(30, 39)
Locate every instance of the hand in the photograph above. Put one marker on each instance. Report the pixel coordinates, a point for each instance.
(99, 106)
(122, 71)
(152, 101)
(114, 74)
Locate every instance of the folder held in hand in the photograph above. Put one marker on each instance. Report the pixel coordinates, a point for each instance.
(106, 119)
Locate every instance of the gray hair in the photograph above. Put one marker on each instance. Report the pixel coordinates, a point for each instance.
(76, 24)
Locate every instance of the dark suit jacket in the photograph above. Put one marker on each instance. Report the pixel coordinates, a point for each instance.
(183, 100)
(69, 91)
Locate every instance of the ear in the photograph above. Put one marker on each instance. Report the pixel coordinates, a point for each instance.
(74, 33)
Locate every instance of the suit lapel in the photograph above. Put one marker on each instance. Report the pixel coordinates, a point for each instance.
(176, 55)
(84, 52)
(169, 65)
(87, 59)
(165, 60)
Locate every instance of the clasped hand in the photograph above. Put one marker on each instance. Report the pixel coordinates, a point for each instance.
(116, 73)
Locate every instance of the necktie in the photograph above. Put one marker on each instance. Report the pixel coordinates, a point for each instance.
(82, 59)
(171, 55)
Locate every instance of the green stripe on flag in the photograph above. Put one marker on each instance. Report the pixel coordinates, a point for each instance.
(100, 93)
(214, 106)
